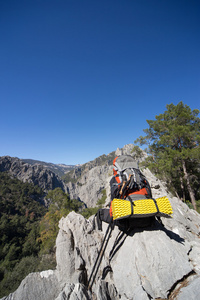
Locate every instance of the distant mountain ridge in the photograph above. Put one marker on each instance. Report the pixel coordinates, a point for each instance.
(59, 169)
(36, 174)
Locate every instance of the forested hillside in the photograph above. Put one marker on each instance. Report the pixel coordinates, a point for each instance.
(28, 229)
(20, 214)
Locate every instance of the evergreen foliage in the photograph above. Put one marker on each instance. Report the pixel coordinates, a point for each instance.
(60, 206)
(28, 230)
(137, 153)
(20, 213)
(173, 144)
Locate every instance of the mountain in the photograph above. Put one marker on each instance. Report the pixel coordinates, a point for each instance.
(35, 174)
(59, 169)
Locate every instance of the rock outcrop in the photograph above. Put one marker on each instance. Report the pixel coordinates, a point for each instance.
(159, 262)
(86, 182)
(156, 262)
(89, 187)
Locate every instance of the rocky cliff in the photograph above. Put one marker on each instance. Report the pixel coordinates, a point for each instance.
(87, 182)
(35, 174)
(158, 262)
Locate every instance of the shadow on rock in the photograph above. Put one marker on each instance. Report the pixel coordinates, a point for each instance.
(122, 235)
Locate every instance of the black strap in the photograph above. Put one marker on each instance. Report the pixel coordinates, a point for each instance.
(129, 198)
(156, 205)
(99, 221)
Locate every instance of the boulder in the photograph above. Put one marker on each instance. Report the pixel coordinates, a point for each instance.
(40, 285)
(144, 264)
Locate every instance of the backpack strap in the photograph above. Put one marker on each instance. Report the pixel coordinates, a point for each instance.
(156, 204)
(129, 198)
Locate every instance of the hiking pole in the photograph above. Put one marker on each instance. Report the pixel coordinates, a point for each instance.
(100, 260)
(100, 256)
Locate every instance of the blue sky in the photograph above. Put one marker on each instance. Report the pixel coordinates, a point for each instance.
(79, 79)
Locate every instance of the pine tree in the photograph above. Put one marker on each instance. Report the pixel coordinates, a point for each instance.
(173, 144)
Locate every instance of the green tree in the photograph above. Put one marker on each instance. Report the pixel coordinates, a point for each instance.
(60, 206)
(173, 144)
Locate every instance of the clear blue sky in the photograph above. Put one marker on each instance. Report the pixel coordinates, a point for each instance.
(80, 78)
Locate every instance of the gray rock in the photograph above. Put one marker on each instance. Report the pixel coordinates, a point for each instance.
(74, 292)
(65, 256)
(37, 286)
(194, 256)
(191, 291)
(126, 150)
(146, 264)
(153, 257)
(105, 291)
(90, 185)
